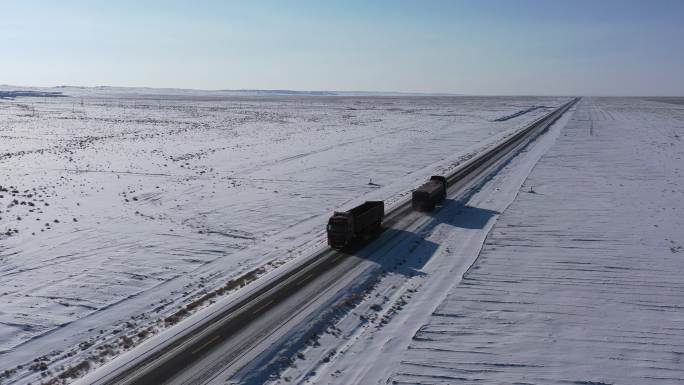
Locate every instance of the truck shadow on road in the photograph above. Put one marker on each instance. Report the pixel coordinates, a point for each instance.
(393, 252)
(406, 252)
(457, 214)
(400, 252)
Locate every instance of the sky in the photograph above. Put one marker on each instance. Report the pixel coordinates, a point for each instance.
(480, 47)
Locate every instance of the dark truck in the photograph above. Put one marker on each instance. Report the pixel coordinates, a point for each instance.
(428, 195)
(360, 222)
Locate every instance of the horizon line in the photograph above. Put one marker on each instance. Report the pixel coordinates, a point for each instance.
(303, 92)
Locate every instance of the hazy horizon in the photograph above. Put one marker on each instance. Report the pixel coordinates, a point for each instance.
(304, 92)
(530, 47)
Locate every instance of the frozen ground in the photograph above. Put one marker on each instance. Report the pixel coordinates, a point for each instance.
(121, 206)
(578, 282)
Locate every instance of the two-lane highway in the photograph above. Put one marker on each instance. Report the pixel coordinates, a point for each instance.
(216, 346)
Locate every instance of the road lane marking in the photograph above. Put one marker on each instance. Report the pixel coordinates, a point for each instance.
(303, 280)
(206, 344)
(260, 308)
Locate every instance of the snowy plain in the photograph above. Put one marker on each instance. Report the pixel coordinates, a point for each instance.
(121, 206)
(578, 279)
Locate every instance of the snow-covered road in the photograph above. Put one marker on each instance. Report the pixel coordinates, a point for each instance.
(578, 282)
(361, 342)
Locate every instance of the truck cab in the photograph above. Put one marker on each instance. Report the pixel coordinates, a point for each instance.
(425, 197)
(360, 223)
(340, 229)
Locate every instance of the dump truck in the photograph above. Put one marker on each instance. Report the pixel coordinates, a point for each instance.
(427, 196)
(359, 223)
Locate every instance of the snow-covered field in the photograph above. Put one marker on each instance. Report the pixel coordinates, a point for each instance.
(579, 280)
(120, 206)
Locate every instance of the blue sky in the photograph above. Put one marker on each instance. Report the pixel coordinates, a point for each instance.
(599, 47)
